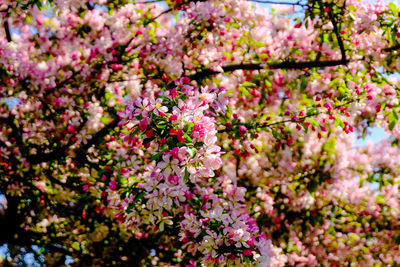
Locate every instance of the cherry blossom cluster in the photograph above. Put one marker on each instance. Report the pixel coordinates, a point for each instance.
(181, 183)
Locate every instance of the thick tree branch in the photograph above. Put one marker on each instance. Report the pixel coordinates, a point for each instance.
(390, 49)
(259, 66)
(7, 30)
(297, 3)
(2, 144)
(70, 185)
(46, 157)
(229, 68)
(308, 64)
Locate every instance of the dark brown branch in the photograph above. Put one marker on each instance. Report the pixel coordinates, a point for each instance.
(337, 33)
(100, 134)
(390, 49)
(69, 185)
(208, 72)
(308, 64)
(297, 3)
(46, 157)
(164, 12)
(16, 133)
(2, 144)
(59, 152)
(283, 65)
(7, 30)
(149, 2)
(89, 6)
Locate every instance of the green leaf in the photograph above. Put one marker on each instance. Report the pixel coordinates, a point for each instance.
(312, 187)
(155, 157)
(139, 197)
(396, 238)
(268, 83)
(39, 5)
(339, 122)
(130, 207)
(186, 178)
(229, 111)
(303, 84)
(395, 115)
(292, 248)
(76, 246)
(227, 55)
(312, 111)
(313, 122)
(332, 231)
(247, 84)
(392, 119)
(103, 120)
(392, 124)
(380, 199)
(192, 152)
(187, 137)
(260, 44)
(344, 91)
(262, 98)
(330, 145)
(243, 91)
(277, 135)
(188, 127)
(392, 6)
(394, 37)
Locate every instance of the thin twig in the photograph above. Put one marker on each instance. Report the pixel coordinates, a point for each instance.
(269, 125)
(337, 33)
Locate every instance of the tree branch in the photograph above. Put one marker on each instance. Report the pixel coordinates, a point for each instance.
(244, 66)
(390, 49)
(2, 144)
(149, 2)
(268, 125)
(16, 133)
(100, 134)
(337, 33)
(59, 152)
(7, 30)
(89, 6)
(309, 64)
(45, 157)
(286, 64)
(259, 66)
(297, 3)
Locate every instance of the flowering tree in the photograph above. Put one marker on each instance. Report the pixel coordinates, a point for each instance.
(199, 132)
